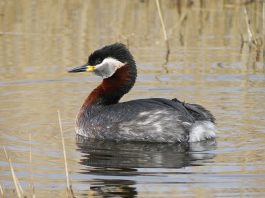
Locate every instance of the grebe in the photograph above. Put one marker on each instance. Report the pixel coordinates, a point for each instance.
(151, 120)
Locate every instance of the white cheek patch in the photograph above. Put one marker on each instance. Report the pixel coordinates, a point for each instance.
(108, 67)
(113, 61)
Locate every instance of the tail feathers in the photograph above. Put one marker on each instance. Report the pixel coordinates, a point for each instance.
(202, 130)
(197, 111)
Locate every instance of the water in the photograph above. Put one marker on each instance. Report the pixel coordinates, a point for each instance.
(207, 66)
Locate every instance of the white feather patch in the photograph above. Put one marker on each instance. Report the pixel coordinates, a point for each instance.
(108, 67)
(202, 130)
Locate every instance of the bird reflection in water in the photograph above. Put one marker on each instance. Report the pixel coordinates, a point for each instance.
(111, 165)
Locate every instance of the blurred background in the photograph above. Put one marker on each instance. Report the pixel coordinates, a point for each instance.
(214, 55)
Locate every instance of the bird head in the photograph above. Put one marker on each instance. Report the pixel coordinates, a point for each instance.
(106, 61)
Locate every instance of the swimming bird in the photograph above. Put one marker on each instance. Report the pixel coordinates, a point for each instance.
(102, 116)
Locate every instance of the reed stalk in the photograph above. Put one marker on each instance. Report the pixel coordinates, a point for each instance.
(69, 187)
(251, 36)
(1, 191)
(30, 165)
(18, 187)
(263, 24)
(164, 33)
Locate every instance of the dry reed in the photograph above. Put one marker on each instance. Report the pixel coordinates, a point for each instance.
(18, 187)
(30, 165)
(263, 31)
(251, 37)
(69, 187)
(165, 35)
(1, 191)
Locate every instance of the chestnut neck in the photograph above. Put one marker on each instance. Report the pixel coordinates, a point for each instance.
(113, 88)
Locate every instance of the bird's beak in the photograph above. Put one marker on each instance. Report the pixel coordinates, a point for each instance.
(83, 68)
